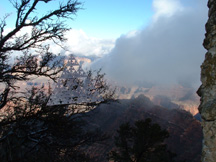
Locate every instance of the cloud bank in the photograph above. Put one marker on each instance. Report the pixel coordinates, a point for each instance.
(166, 8)
(79, 43)
(168, 51)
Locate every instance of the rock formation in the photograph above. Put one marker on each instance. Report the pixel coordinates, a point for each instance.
(207, 91)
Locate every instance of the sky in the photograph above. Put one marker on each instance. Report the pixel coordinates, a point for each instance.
(100, 19)
(156, 41)
(110, 19)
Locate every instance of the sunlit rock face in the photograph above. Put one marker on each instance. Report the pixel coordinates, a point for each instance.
(207, 90)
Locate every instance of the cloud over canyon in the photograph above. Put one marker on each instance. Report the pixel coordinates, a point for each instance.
(168, 51)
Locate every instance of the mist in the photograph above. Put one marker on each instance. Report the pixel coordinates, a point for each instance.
(168, 51)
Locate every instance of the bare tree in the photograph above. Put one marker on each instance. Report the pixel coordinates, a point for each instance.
(35, 132)
(29, 129)
(50, 26)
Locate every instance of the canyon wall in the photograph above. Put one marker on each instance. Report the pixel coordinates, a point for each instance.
(207, 91)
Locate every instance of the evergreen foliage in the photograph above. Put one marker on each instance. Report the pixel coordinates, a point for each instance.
(143, 142)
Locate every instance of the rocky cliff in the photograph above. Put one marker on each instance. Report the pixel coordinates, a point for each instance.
(207, 91)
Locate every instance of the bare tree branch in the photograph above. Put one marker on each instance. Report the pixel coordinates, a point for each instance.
(50, 26)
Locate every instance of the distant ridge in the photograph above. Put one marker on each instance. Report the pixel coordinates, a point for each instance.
(185, 131)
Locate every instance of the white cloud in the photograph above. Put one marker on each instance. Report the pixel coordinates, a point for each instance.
(166, 8)
(80, 43)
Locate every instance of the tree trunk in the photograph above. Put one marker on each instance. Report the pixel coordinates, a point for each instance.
(207, 91)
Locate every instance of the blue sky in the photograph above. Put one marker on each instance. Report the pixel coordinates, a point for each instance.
(101, 19)
(114, 17)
